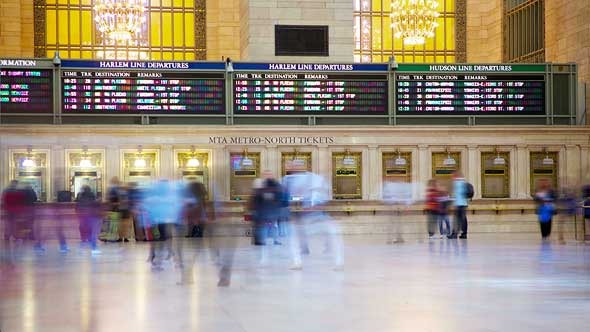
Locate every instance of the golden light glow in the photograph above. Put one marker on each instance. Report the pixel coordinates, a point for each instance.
(414, 20)
(120, 21)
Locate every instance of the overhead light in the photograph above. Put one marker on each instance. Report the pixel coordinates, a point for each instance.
(298, 162)
(498, 161)
(139, 163)
(399, 161)
(449, 161)
(247, 162)
(120, 21)
(547, 161)
(193, 162)
(86, 163)
(348, 161)
(29, 163)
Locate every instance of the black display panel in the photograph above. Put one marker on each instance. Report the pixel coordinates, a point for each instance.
(446, 93)
(26, 90)
(298, 93)
(302, 40)
(120, 92)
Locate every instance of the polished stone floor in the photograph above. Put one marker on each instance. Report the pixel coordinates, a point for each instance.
(491, 283)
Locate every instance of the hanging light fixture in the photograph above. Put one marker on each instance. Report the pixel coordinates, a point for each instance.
(499, 160)
(85, 162)
(348, 160)
(399, 161)
(193, 162)
(547, 161)
(139, 160)
(247, 161)
(449, 161)
(297, 162)
(119, 21)
(414, 20)
(29, 162)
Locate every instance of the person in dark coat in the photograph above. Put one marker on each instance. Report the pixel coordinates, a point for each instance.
(88, 210)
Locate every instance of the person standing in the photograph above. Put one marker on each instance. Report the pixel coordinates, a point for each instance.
(443, 217)
(13, 204)
(88, 210)
(460, 204)
(545, 198)
(432, 207)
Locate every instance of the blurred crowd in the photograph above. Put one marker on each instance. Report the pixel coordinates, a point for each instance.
(283, 214)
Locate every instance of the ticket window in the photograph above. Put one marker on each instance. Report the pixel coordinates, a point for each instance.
(397, 167)
(543, 167)
(444, 164)
(29, 168)
(295, 162)
(140, 168)
(495, 174)
(85, 168)
(192, 167)
(245, 168)
(347, 175)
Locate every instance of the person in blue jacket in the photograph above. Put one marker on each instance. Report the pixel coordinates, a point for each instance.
(460, 203)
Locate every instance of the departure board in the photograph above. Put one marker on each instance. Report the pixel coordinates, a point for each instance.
(119, 92)
(25, 90)
(472, 93)
(301, 93)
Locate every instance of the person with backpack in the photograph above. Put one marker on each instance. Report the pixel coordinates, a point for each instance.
(462, 191)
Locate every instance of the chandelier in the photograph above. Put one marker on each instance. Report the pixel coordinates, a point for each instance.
(119, 21)
(414, 20)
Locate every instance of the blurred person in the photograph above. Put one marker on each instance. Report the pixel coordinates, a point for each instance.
(432, 207)
(29, 213)
(460, 196)
(110, 226)
(313, 192)
(545, 198)
(195, 209)
(398, 195)
(266, 204)
(13, 201)
(134, 197)
(586, 208)
(125, 226)
(568, 205)
(443, 219)
(163, 205)
(89, 215)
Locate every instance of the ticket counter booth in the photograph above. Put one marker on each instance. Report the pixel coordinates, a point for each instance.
(192, 166)
(397, 167)
(245, 168)
(347, 175)
(85, 167)
(140, 167)
(444, 164)
(30, 168)
(495, 174)
(543, 167)
(295, 162)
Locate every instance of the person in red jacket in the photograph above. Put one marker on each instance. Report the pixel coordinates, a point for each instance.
(432, 207)
(13, 203)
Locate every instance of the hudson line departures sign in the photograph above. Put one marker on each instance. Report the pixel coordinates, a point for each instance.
(470, 88)
(25, 87)
(301, 88)
(143, 87)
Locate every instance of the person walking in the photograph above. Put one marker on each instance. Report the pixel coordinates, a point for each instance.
(545, 199)
(88, 210)
(432, 207)
(460, 196)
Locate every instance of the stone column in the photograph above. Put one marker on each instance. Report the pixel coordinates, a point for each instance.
(585, 163)
(562, 173)
(166, 162)
(4, 166)
(113, 164)
(473, 169)
(373, 171)
(573, 176)
(520, 169)
(272, 161)
(220, 172)
(56, 172)
(424, 163)
(325, 165)
(512, 173)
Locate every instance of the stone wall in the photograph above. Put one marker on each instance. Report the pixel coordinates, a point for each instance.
(223, 29)
(567, 38)
(484, 31)
(263, 15)
(16, 28)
